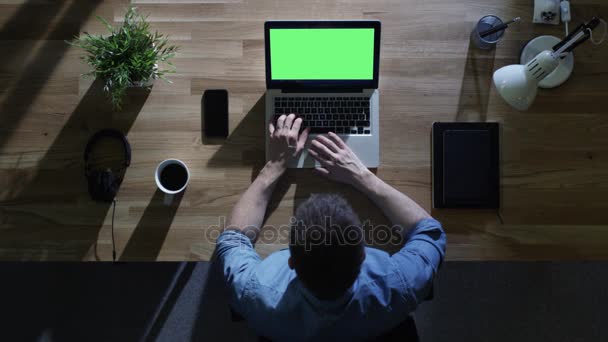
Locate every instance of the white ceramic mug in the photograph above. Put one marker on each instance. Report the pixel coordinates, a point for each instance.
(170, 194)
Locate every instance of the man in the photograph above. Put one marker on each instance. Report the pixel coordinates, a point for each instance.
(327, 285)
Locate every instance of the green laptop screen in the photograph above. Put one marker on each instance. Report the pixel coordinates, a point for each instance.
(322, 54)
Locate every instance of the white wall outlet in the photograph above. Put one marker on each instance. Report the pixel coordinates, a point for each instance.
(546, 12)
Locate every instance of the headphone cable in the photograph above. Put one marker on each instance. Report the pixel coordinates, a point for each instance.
(113, 244)
(499, 214)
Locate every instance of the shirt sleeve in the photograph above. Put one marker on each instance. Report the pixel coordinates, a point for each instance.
(419, 259)
(237, 259)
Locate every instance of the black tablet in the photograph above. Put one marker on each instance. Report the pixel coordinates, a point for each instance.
(466, 165)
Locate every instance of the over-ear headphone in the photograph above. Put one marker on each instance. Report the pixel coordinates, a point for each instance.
(104, 184)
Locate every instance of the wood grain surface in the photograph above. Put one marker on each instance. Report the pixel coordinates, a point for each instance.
(554, 168)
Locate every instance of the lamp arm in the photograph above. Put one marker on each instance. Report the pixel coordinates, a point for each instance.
(572, 43)
(576, 37)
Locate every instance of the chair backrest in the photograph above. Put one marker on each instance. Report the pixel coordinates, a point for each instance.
(404, 332)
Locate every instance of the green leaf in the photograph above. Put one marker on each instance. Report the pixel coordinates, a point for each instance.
(106, 24)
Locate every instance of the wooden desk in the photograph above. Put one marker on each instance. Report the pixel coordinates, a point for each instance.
(554, 157)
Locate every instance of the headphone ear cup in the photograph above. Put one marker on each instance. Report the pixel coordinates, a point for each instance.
(107, 185)
(92, 180)
(102, 185)
(114, 185)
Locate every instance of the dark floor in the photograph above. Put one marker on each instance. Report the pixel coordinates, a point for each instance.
(184, 301)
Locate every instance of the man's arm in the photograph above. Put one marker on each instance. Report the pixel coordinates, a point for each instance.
(341, 164)
(248, 213)
(285, 143)
(397, 206)
(235, 252)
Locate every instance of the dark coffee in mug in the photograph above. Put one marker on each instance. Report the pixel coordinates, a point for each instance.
(173, 177)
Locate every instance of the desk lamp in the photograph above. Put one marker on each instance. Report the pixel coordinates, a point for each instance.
(518, 83)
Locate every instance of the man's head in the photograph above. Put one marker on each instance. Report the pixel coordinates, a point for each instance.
(326, 245)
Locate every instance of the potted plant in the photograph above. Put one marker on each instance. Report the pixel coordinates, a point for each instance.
(128, 57)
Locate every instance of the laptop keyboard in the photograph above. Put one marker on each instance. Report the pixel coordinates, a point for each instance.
(341, 115)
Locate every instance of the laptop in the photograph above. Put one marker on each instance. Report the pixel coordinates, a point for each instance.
(326, 72)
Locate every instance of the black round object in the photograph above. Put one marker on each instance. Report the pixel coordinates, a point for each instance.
(173, 177)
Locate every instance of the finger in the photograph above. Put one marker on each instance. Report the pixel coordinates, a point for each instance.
(322, 171)
(322, 150)
(337, 140)
(289, 121)
(318, 157)
(281, 121)
(330, 144)
(302, 138)
(271, 128)
(293, 131)
(295, 128)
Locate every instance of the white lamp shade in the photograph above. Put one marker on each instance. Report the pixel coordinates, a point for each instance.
(515, 86)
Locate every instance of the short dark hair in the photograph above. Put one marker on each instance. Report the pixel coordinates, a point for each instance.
(326, 245)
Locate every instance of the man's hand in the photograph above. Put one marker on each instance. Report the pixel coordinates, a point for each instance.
(286, 142)
(338, 161)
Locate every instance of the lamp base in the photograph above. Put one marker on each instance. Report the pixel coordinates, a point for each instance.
(540, 44)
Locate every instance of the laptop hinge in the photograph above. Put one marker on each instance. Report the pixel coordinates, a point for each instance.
(322, 90)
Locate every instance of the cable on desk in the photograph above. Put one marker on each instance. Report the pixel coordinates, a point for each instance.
(502, 222)
(598, 42)
(113, 244)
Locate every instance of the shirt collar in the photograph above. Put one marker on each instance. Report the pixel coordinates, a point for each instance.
(328, 306)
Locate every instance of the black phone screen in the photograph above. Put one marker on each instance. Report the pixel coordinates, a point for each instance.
(215, 113)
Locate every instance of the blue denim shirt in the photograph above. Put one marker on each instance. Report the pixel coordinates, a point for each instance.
(276, 305)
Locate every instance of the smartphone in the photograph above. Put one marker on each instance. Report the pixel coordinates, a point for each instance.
(215, 113)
